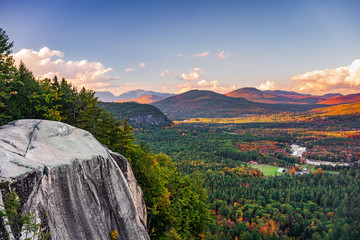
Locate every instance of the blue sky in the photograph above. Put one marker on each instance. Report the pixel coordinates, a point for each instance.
(216, 45)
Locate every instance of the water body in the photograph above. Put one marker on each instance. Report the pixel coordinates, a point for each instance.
(298, 151)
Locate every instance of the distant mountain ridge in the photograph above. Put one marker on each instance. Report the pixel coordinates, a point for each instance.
(130, 95)
(256, 95)
(243, 101)
(141, 93)
(338, 110)
(330, 95)
(286, 93)
(342, 99)
(286, 97)
(208, 104)
(147, 99)
(298, 97)
(202, 103)
(105, 96)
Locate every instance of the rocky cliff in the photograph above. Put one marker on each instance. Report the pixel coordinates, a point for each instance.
(76, 188)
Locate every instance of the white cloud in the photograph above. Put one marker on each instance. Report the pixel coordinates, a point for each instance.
(164, 73)
(213, 85)
(208, 84)
(268, 85)
(129, 70)
(47, 63)
(194, 75)
(142, 65)
(342, 79)
(194, 80)
(203, 54)
(222, 54)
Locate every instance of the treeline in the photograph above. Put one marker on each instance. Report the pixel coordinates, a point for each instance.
(176, 204)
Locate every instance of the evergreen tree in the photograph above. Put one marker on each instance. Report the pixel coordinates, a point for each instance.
(8, 82)
(21, 105)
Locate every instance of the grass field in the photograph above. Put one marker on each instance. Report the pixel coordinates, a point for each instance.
(267, 170)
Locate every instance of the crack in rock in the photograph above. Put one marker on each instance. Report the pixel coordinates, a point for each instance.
(31, 137)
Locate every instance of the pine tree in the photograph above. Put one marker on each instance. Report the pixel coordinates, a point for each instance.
(20, 105)
(7, 74)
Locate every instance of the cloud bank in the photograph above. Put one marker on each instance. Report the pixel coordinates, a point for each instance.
(194, 75)
(47, 63)
(268, 85)
(195, 80)
(344, 79)
(213, 85)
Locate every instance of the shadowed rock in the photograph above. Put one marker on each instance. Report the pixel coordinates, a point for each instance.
(77, 188)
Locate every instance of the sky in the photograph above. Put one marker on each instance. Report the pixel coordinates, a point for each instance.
(175, 46)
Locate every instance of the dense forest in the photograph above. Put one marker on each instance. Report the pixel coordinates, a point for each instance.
(245, 203)
(166, 192)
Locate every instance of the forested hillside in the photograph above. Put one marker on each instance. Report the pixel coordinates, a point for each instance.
(196, 103)
(208, 104)
(339, 110)
(138, 114)
(166, 192)
(255, 95)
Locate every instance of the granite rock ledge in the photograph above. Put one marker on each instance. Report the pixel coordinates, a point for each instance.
(76, 188)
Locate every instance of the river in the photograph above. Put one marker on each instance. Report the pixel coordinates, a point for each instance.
(298, 151)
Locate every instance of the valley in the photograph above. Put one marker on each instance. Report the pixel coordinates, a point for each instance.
(272, 168)
(240, 161)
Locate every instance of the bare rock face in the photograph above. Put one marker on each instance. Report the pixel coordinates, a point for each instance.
(77, 188)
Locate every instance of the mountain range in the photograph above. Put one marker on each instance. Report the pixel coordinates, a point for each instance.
(208, 104)
(342, 99)
(277, 96)
(255, 95)
(202, 103)
(147, 99)
(139, 95)
(243, 101)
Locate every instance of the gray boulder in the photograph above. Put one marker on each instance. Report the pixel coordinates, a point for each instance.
(76, 188)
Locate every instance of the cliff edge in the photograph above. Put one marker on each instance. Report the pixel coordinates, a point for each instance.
(76, 188)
